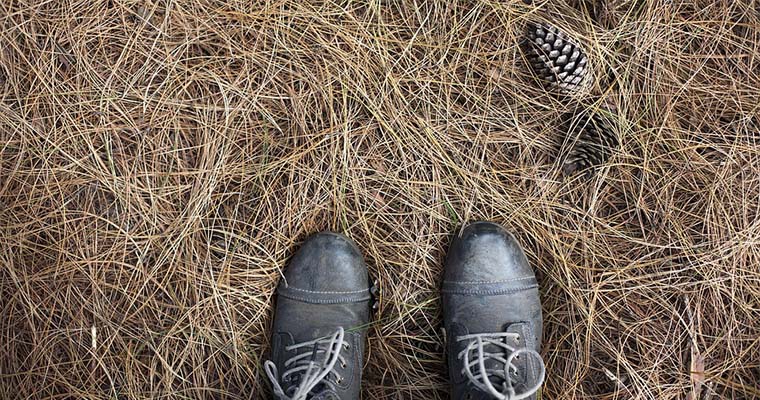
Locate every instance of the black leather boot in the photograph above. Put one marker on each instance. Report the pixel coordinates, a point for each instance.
(492, 316)
(320, 323)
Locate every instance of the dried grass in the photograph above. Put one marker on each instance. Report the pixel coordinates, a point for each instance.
(160, 161)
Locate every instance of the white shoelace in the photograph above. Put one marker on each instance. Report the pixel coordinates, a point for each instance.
(310, 371)
(505, 356)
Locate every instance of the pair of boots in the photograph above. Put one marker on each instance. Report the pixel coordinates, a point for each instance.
(491, 307)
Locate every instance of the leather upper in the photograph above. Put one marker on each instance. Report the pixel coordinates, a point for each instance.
(326, 286)
(489, 287)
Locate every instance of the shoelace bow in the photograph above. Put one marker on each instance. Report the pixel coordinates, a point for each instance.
(306, 369)
(505, 356)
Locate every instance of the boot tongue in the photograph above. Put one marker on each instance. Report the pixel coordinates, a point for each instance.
(476, 394)
(306, 334)
(322, 332)
(491, 366)
(319, 354)
(325, 394)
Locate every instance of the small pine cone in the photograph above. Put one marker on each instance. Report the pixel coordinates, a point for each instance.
(557, 61)
(590, 142)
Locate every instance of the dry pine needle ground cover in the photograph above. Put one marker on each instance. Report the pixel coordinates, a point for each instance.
(160, 160)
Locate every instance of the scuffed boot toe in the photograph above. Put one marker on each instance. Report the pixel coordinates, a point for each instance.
(486, 252)
(327, 262)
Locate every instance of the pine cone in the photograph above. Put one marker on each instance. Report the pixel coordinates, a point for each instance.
(590, 142)
(557, 61)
